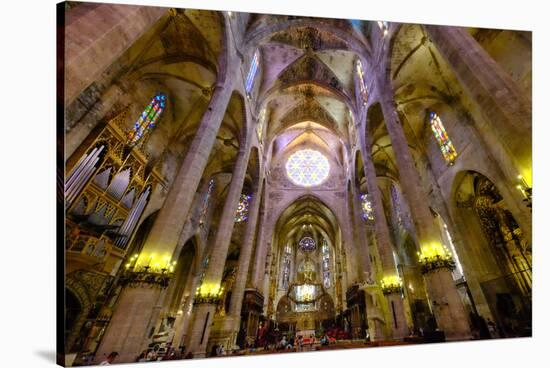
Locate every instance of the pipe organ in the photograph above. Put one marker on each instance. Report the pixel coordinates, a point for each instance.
(106, 192)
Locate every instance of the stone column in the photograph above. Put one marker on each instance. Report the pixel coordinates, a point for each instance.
(167, 228)
(360, 235)
(134, 316)
(505, 107)
(245, 255)
(181, 323)
(446, 303)
(138, 307)
(258, 267)
(384, 244)
(204, 310)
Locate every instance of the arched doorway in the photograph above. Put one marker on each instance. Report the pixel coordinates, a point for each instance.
(499, 256)
(73, 311)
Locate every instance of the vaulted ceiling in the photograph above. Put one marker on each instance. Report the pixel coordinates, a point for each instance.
(307, 80)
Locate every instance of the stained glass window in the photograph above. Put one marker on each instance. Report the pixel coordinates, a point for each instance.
(307, 168)
(242, 209)
(443, 140)
(307, 244)
(326, 263)
(366, 207)
(205, 201)
(286, 265)
(147, 120)
(252, 72)
(361, 77)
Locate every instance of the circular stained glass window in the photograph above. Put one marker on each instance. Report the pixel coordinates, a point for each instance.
(307, 244)
(307, 168)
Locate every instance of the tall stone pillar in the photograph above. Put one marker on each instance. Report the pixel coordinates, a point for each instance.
(167, 228)
(396, 309)
(134, 318)
(138, 307)
(207, 297)
(182, 322)
(245, 255)
(503, 103)
(258, 267)
(446, 303)
(360, 236)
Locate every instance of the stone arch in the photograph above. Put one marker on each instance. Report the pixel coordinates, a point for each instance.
(186, 268)
(79, 294)
(498, 256)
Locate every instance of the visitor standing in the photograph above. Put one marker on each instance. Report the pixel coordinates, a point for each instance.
(110, 358)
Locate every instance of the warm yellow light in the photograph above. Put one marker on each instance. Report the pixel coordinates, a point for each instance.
(154, 262)
(209, 290)
(433, 251)
(391, 281)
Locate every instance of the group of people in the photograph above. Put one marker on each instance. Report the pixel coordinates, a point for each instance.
(168, 353)
(299, 343)
(218, 350)
(483, 328)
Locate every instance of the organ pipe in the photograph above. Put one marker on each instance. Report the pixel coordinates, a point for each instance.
(81, 174)
(129, 224)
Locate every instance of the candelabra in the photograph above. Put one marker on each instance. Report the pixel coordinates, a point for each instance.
(391, 285)
(153, 273)
(208, 294)
(435, 256)
(526, 190)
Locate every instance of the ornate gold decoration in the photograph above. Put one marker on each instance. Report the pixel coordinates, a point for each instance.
(435, 256)
(391, 284)
(208, 293)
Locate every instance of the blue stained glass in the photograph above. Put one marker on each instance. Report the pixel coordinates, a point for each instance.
(241, 214)
(252, 72)
(147, 120)
(307, 168)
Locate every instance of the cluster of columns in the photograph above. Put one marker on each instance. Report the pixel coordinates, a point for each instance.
(203, 313)
(502, 102)
(138, 308)
(498, 97)
(505, 107)
(134, 316)
(164, 237)
(445, 301)
(399, 328)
